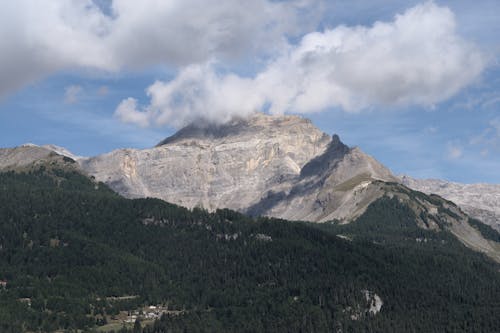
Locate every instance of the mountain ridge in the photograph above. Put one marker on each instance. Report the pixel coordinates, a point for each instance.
(481, 201)
(276, 166)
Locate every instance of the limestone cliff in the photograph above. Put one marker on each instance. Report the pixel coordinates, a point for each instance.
(280, 166)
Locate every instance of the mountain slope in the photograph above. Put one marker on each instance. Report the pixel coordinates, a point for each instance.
(75, 249)
(481, 201)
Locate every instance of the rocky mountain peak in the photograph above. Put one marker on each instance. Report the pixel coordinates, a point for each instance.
(258, 124)
(281, 166)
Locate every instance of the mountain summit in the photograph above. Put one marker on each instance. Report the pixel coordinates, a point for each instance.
(280, 166)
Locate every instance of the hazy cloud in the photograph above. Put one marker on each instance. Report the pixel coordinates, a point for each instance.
(418, 58)
(72, 93)
(495, 124)
(454, 151)
(489, 138)
(103, 91)
(183, 32)
(431, 130)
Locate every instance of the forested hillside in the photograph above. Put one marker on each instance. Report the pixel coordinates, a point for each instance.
(73, 254)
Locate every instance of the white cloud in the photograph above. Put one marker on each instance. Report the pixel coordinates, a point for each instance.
(126, 111)
(196, 93)
(72, 93)
(38, 38)
(418, 58)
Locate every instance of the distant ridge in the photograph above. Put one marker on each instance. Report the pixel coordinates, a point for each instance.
(481, 201)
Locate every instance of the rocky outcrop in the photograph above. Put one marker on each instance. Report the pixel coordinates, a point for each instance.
(480, 201)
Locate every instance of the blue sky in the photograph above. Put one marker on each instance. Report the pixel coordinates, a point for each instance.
(102, 75)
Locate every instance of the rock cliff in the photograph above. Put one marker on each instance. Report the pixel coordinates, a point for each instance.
(279, 166)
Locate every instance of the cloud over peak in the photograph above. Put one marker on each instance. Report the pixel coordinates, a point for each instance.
(418, 58)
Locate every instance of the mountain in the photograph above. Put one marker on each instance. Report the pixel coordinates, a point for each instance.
(279, 166)
(275, 166)
(75, 256)
(481, 201)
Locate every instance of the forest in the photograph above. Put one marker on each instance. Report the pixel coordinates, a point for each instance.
(72, 250)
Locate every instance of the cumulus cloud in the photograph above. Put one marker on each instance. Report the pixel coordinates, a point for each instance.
(38, 38)
(197, 92)
(418, 58)
(126, 111)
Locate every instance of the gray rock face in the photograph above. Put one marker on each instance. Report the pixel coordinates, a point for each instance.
(279, 166)
(481, 201)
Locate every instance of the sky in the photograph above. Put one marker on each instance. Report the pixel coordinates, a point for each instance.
(416, 84)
